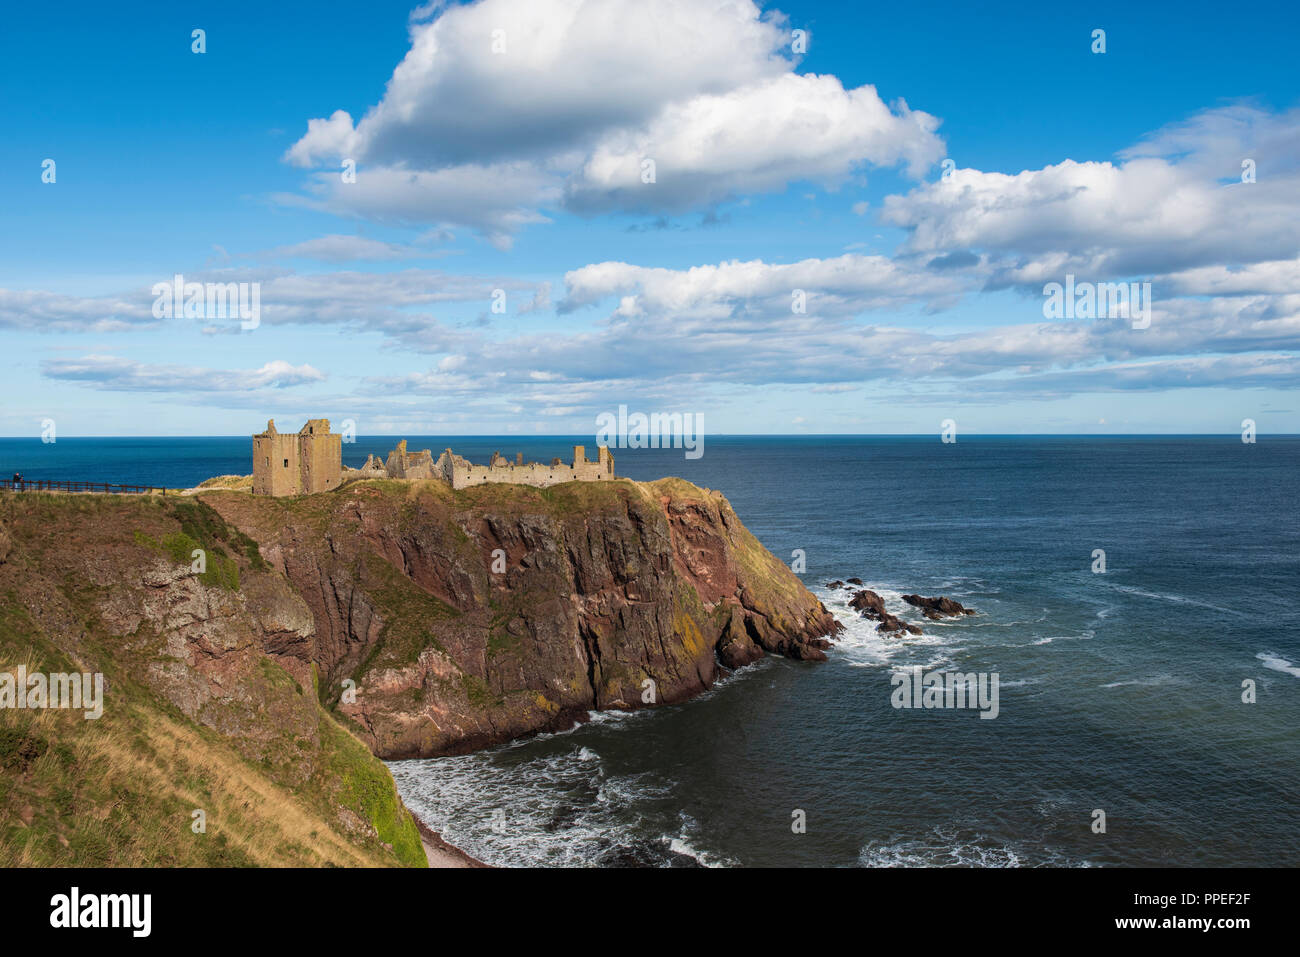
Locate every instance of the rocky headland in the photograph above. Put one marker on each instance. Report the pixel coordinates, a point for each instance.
(466, 618)
(318, 633)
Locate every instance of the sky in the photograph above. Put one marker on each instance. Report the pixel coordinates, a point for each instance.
(510, 216)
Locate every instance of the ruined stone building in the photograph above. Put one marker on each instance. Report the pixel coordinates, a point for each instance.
(459, 472)
(311, 460)
(297, 463)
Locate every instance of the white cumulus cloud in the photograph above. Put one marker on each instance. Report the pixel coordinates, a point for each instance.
(577, 95)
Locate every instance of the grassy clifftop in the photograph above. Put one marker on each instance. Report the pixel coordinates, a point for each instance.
(197, 716)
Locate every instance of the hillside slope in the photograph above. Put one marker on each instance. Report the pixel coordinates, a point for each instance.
(196, 715)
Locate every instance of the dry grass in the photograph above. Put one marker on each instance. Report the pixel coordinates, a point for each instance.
(232, 482)
(121, 791)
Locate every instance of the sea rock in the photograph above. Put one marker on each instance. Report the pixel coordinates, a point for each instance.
(873, 606)
(868, 602)
(855, 581)
(893, 625)
(937, 608)
(736, 648)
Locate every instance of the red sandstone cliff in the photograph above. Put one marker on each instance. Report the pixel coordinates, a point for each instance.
(611, 595)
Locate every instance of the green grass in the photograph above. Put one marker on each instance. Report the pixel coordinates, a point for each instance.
(202, 523)
(410, 617)
(478, 693)
(203, 529)
(368, 789)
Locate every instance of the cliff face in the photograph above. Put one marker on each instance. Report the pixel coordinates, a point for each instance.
(197, 717)
(444, 621)
(423, 620)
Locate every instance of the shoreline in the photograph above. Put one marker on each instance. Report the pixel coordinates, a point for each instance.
(440, 853)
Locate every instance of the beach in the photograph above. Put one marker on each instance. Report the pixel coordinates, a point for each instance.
(440, 853)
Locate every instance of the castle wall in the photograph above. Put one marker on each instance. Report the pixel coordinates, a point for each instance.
(461, 473)
(276, 465)
(290, 463)
(373, 468)
(411, 465)
(311, 460)
(321, 457)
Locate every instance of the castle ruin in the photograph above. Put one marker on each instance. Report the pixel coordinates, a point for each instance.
(459, 472)
(289, 463)
(311, 461)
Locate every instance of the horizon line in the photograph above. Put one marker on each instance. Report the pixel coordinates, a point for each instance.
(716, 435)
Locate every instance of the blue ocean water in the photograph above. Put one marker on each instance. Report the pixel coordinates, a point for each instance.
(1119, 691)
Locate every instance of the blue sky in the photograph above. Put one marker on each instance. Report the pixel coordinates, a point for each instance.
(776, 172)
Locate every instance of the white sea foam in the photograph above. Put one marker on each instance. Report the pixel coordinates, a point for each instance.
(546, 735)
(1083, 636)
(1011, 623)
(740, 674)
(862, 645)
(1166, 596)
(561, 808)
(683, 844)
(950, 846)
(1278, 663)
(1019, 683)
(1149, 682)
(614, 716)
(679, 846)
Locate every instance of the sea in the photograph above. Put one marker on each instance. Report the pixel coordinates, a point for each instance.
(1135, 596)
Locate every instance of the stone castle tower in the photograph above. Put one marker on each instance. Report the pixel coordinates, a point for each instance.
(310, 460)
